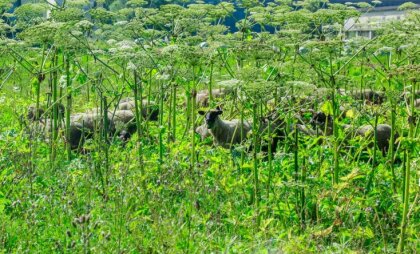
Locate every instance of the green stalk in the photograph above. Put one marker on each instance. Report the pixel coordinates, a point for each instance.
(161, 129)
(38, 84)
(302, 194)
(87, 83)
(296, 164)
(372, 172)
(256, 147)
(55, 105)
(242, 134)
(174, 112)
(407, 156)
(270, 163)
(335, 133)
(68, 109)
(391, 145)
(171, 111)
(193, 102)
(138, 92)
(105, 142)
(211, 84)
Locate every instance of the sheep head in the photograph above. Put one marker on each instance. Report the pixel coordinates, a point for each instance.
(320, 118)
(211, 116)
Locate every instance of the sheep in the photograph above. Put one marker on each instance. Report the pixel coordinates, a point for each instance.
(274, 125)
(150, 111)
(124, 122)
(383, 133)
(405, 96)
(225, 133)
(203, 96)
(203, 131)
(43, 129)
(323, 122)
(120, 123)
(34, 115)
(368, 95)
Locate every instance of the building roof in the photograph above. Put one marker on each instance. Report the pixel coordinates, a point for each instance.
(385, 3)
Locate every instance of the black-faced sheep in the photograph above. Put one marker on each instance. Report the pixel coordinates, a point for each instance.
(323, 122)
(225, 133)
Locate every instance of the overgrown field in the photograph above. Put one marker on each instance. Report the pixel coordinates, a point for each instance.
(154, 185)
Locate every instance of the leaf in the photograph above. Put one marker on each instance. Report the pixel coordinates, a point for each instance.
(355, 174)
(350, 113)
(325, 232)
(327, 108)
(81, 78)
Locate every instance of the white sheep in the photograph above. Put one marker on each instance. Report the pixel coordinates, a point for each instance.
(225, 133)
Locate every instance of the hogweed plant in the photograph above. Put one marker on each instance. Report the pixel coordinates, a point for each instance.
(325, 189)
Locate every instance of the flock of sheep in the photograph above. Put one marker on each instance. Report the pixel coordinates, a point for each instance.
(230, 132)
(226, 133)
(121, 121)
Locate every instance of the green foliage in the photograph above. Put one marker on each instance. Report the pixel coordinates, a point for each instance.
(407, 6)
(5, 5)
(325, 190)
(30, 14)
(68, 14)
(101, 15)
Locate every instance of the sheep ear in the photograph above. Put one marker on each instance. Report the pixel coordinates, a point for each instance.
(201, 112)
(219, 112)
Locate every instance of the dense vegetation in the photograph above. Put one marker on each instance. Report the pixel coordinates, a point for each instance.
(165, 189)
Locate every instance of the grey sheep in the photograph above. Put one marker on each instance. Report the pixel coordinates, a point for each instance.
(34, 115)
(225, 133)
(203, 131)
(118, 121)
(149, 111)
(368, 95)
(383, 135)
(43, 129)
(203, 96)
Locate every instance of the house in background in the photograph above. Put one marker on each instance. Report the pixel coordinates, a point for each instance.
(367, 24)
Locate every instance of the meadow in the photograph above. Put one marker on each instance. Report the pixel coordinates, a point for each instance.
(156, 185)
